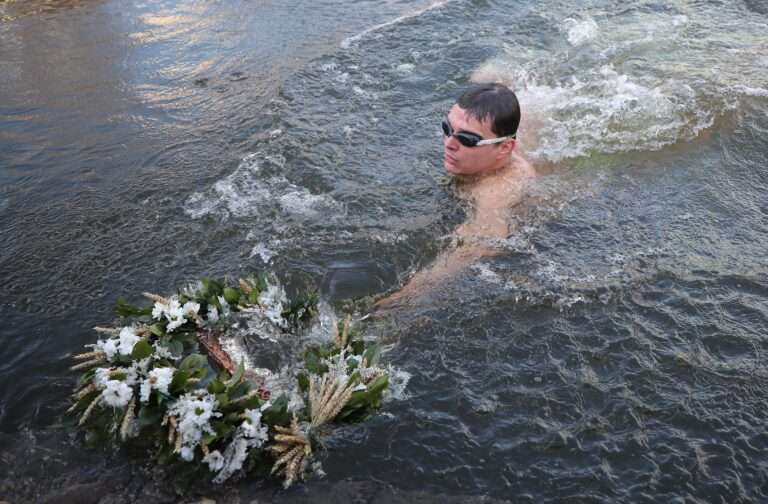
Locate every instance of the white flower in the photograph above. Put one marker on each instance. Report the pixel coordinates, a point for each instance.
(162, 352)
(190, 309)
(109, 347)
(158, 310)
(133, 373)
(128, 338)
(117, 393)
(175, 324)
(101, 377)
(159, 379)
(194, 411)
(253, 429)
(213, 314)
(174, 312)
(214, 460)
(187, 453)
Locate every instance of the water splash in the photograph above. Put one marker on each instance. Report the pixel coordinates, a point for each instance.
(580, 31)
(255, 189)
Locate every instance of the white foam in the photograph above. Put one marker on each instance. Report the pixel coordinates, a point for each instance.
(600, 110)
(580, 31)
(680, 20)
(649, 79)
(486, 274)
(261, 250)
(347, 42)
(398, 382)
(405, 68)
(750, 91)
(247, 192)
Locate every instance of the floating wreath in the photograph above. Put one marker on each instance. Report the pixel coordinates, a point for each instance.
(164, 376)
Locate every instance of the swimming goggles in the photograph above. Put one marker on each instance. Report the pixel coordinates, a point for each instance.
(471, 139)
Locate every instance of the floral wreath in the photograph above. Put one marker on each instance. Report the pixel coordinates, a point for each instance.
(163, 375)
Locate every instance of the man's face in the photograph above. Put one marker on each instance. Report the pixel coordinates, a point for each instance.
(461, 160)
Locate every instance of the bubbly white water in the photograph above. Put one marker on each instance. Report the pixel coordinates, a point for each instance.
(644, 80)
(580, 31)
(249, 192)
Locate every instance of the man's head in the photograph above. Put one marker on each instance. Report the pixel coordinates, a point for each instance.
(486, 111)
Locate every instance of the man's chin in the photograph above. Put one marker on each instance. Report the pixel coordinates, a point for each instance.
(451, 167)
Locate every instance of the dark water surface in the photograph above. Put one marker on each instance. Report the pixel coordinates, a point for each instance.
(614, 352)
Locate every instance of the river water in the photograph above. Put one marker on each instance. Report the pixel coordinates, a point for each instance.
(614, 352)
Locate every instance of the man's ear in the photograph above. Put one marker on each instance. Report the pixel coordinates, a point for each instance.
(506, 148)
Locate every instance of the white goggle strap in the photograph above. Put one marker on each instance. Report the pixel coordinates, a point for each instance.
(491, 141)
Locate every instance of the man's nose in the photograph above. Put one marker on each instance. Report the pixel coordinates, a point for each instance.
(451, 143)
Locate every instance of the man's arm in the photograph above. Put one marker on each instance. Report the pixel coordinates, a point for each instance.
(489, 220)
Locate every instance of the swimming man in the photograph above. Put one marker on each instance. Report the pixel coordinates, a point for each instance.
(480, 136)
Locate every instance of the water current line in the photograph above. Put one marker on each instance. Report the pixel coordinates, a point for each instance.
(347, 42)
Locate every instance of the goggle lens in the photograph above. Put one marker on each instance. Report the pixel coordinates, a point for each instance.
(465, 139)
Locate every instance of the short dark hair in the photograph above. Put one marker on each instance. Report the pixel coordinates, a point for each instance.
(495, 102)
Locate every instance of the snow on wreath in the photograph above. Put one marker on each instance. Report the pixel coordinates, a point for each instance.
(147, 381)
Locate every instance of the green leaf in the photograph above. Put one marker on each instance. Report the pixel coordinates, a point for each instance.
(277, 414)
(302, 308)
(364, 402)
(262, 282)
(166, 455)
(312, 360)
(193, 362)
(372, 355)
(124, 309)
(358, 346)
(231, 295)
(142, 349)
(222, 428)
(86, 378)
(303, 380)
(211, 288)
(238, 375)
(216, 387)
(149, 416)
(118, 375)
(86, 400)
(241, 389)
(223, 400)
(378, 386)
(157, 330)
(179, 382)
(175, 347)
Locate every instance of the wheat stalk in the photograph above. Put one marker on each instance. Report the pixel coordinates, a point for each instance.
(126, 427)
(294, 450)
(156, 298)
(89, 410)
(89, 364)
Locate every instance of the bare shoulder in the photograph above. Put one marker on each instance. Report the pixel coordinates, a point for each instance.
(521, 167)
(506, 188)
